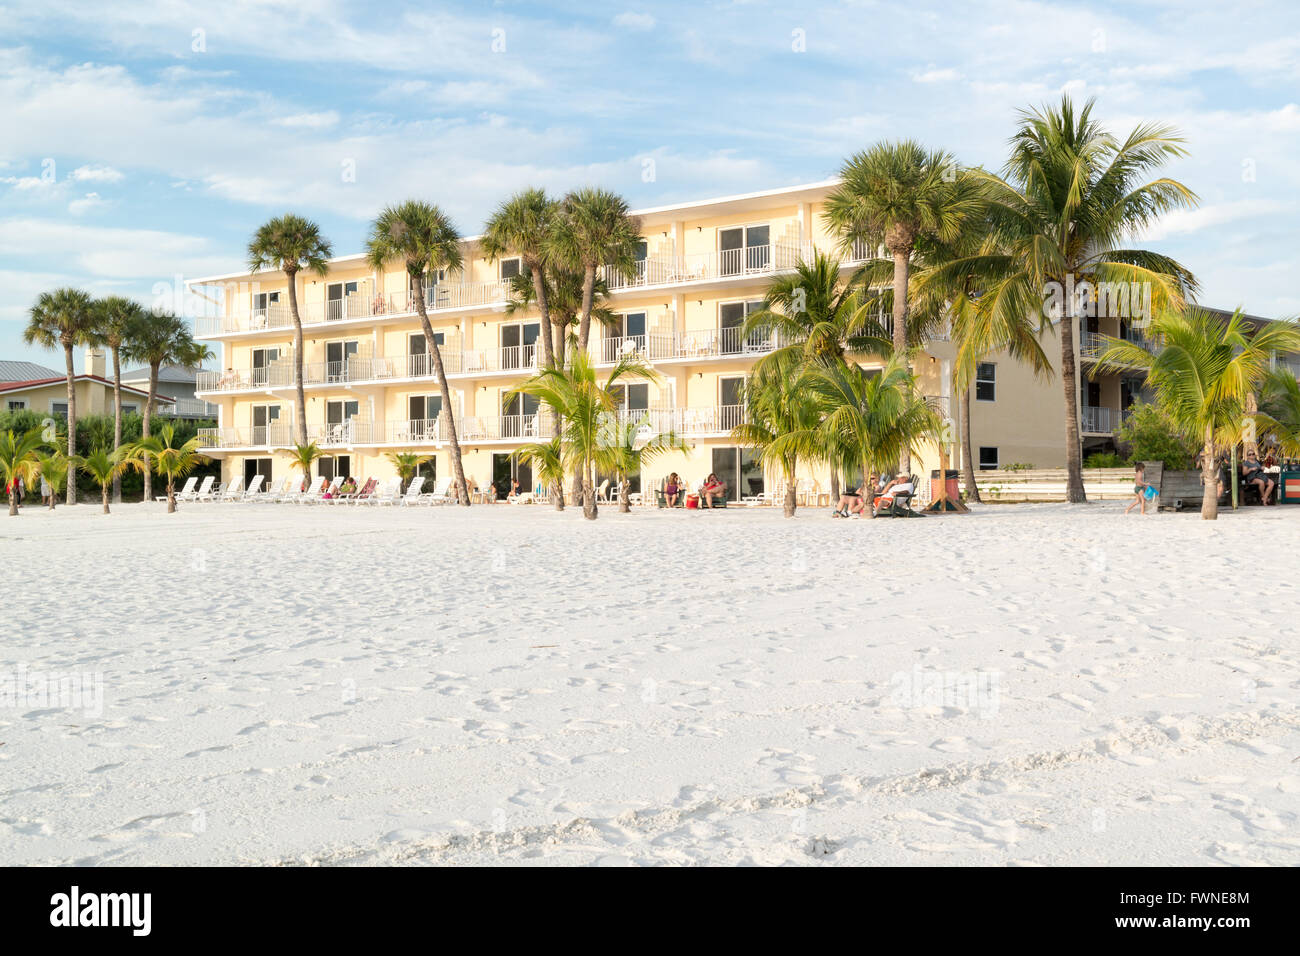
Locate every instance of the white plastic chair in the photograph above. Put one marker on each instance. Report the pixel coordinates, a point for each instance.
(184, 493)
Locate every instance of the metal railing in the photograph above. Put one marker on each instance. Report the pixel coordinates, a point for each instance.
(672, 269)
(354, 431)
(188, 408)
(278, 435)
(1096, 420)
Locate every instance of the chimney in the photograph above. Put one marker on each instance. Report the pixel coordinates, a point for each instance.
(95, 364)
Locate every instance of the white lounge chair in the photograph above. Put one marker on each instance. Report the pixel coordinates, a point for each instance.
(205, 492)
(270, 493)
(388, 493)
(230, 490)
(313, 491)
(331, 489)
(185, 492)
(413, 491)
(439, 495)
(241, 493)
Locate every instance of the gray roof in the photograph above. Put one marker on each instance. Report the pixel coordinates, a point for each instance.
(168, 373)
(24, 371)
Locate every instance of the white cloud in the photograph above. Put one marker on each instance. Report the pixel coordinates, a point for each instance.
(96, 174)
(87, 203)
(947, 75)
(1180, 222)
(324, 120)
(634, 21)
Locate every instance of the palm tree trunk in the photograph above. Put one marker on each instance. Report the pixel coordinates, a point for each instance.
(147, 425)
(117, 421)
(589, 508)
(902, 267)
(544, 310)
(1074, 492)
(299, 397)
(431, 345)
(13, 501)
(72, 427)
(171, 495)
(1250, 446)
(104, 495)
(967, 462)
(588, 294)
(868, 493)
(791, 496)
(1209, 478)
(624, 502)
(835, 486)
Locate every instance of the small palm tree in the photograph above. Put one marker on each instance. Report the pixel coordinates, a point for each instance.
(116, 319)
(876, 418)
(421, 237)
(291, 244)
(1072, 198)
(1279, 411)
(303, 456)
(1204, 375)
(586, 409)
(63, 319)
(407, 463)
(628, 449)
(548, 461)
(55, 469)
(522, 225)
(159, 454)
(782, 417)
(158, 339)
(18, 462)
(105, 466)
(593, 229)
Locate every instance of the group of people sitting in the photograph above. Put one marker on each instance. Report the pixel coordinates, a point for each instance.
(711, 489)
(883, 488)
(1262, 476)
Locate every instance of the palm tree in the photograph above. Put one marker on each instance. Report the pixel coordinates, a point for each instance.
(593, 229)
(587, 411)
(782, 416)
(291, 243)
(1279, 412)
(303, 456)
(106, 467)
(18, 462)
(157, 453)
(628, 451)
(116, 318)
(407, 463)
(1203, 375)
(876, 417)
(63, 318)
(55, 468)
(522, 225)
(1072, 196)
(547, 459)
(158, 339)
(422, 237)
(896, 194)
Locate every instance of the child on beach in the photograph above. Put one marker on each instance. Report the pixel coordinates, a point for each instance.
(1143, 491)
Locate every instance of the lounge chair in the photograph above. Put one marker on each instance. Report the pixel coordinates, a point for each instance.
(662, 501)
(230, 490)
(313, 492)
(900, 505)
(441, 493)
(361, 493)
(271, 493)
(185, 492)
(388, 494)
(413, 490)
(331, 489)
(206, 490)
(241, 493)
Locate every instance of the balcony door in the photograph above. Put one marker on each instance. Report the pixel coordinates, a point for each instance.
(740, 469)
(265, 418)
(420, 362)
(338, 296)
(626, 335)
(731, 319)
(257, 466)
(262, 306)
(744, 249)
(263, 359)
(422, 416)
(339, 415)
(505, 470)
(334, 466)
(519, 417)
(519, 344)
(337, 355)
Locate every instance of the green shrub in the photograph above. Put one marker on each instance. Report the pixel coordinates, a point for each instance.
(1104, 459)
(1149, 434)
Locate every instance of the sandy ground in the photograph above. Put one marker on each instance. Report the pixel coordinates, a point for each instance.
(1026, 685)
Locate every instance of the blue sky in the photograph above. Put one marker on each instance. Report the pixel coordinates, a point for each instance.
(146, 141)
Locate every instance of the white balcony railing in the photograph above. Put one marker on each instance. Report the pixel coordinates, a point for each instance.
(354, 431)
(188, 408)
(719, 264)
(277, 435)
(1095, 420)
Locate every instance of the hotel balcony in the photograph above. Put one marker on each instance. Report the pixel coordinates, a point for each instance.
(1094, 420)
(720, 264)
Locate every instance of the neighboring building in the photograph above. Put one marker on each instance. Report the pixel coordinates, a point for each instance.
(703, 267)
(48, 393)
(24, 371)
(179, 382)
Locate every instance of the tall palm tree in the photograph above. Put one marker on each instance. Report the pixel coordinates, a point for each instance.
(896, 194)
(63, 319)
(522, 225)
(1072, 196)
(18, 462)
(593, 229)
(115, 319)
(105, 466)
(1203, 374)
(422, 237)
(157, 339)
(159, 453)
(291, 243)
(587, 411)
(1279, 410)
(782, 416)
(878, 417)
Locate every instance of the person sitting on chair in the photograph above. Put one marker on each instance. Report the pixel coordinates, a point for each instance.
(672, 490)
(900, 485)
(713, 487)
(1253, 473)
(853, 502)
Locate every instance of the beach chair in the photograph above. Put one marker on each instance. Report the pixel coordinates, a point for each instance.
(231, 490)
(185, 492)
(241, 493)
(602, 492)
(293, 490)
(413, 490)
(331, 489)
(900, 505)
(361, 494)
(271, 493)
(388, 494)
(206, 490)
(313, 491)
(441, 492)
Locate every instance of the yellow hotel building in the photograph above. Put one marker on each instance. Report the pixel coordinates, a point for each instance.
(370, 391)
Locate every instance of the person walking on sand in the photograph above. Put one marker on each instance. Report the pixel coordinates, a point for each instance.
(1143, 491)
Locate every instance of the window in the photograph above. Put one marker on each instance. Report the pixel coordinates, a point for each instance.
(337, 355)
(422, 416)
(743, 249)
(988, 459)
(519, 416)
(340, 302)
(16, 403)
(731, 317)
(634, 397)
(129, 409)
(257, 466)
(986, 387)
(264, 306)
(334, 466)
(420, 362)
(740, 469)
(263, 359)
(59, 408)
(511, 268)
(265, 418)
(519, 344)
(625, 336)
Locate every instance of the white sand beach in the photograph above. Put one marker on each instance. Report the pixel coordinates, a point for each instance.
(1027, 685)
